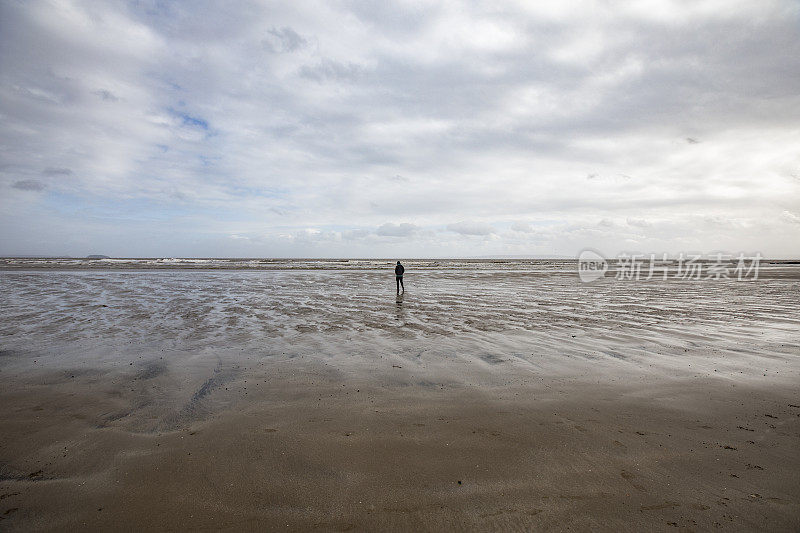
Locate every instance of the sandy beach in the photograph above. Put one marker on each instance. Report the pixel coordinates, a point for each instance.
(399, 266)
(502, 397)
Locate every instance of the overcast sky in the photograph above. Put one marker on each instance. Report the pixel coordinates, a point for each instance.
(347, 128)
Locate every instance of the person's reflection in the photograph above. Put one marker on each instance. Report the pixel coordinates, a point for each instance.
(399, 311)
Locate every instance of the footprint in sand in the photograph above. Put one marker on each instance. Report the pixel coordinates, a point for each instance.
(665, 505)
(627, 476)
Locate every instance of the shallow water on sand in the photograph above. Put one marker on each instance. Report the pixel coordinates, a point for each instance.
(481, 399)
(483, 315)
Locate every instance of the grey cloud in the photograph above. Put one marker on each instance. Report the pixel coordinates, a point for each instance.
(175, 194)
(29, 185)
(106, 95)
(56, 171)
(396, 230)
(471, 228)
(638, 222)
(496, 113)
(522, 227)
(284, 39)
(204, 22)
(328, 69)
(402, 24)
(355, 234)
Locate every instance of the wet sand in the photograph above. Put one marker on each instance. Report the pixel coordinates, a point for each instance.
(346, 410)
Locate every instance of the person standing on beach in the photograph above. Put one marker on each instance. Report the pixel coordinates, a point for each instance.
(398, 273)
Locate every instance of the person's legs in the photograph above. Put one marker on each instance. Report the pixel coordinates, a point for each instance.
(401, 283)
(397, 279)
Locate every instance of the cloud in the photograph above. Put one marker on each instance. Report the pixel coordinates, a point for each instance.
(522, 227)
(284, 40)
(106, 95)
(272, 118)
(396, 230)
(355, 234)
(51, 171)
(638, 222)
(329, 69)
(29, 185)
(471, 228)
(791, 217)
